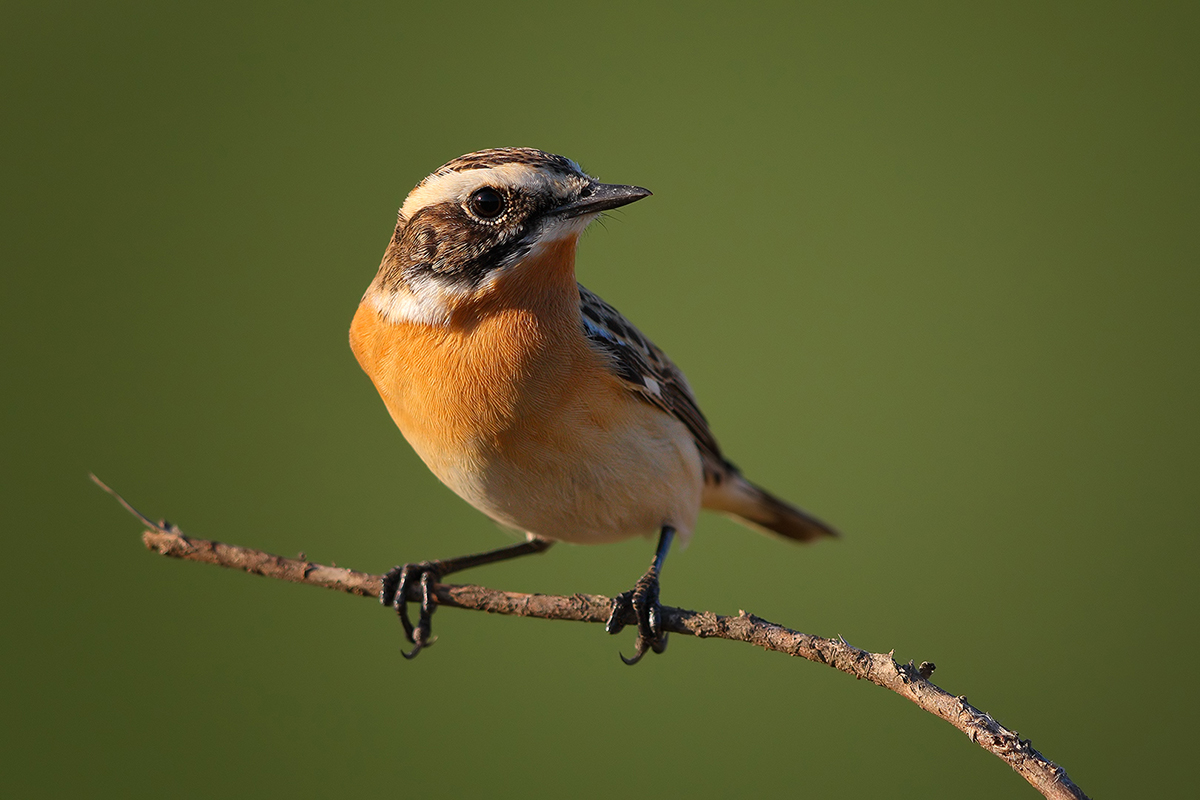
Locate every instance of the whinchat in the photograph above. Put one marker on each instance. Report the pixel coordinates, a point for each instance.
(529, 396)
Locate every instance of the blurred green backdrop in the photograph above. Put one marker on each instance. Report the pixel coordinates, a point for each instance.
(932, 271)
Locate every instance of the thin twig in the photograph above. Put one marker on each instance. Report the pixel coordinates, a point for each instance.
(882, 669)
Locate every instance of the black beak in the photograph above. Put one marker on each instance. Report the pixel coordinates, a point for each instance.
(601, 197)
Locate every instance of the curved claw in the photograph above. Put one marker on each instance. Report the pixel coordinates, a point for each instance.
(642, 600)
(641, 651)
(396, 586)
(419, 644)
(657, 645)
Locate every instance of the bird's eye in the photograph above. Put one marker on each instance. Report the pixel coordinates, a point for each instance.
(487, 203)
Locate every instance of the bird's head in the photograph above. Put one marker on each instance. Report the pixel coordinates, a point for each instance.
(481, 218)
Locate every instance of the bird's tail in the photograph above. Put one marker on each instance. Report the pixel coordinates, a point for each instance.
(756, 507)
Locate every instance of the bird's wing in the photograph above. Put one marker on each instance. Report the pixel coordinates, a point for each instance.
(650, 375)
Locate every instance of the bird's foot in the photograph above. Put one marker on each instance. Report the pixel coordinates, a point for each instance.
(642, 601)
(396, 585)
(399, 581)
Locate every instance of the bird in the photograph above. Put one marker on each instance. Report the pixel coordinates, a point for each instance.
(529, 396)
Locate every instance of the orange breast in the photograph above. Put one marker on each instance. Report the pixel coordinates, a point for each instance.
(511, 369)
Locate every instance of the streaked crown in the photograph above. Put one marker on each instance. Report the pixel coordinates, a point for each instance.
(481, 214)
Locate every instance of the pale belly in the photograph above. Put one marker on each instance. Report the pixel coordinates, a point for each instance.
(581, 483)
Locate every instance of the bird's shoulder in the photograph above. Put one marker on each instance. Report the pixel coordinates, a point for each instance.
(650, 375)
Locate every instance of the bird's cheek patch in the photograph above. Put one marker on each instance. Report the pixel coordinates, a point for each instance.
(425, 244)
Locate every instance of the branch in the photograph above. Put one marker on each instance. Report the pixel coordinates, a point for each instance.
(882, 669)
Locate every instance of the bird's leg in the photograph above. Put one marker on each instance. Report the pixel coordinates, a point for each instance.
(642, 599)
(400, 580)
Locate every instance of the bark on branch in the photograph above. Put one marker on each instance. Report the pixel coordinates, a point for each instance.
(908, 681)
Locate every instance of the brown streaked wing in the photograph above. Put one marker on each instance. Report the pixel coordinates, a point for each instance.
(650, 375)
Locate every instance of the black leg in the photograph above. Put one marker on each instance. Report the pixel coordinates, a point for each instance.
(642, 600)
(399, 581)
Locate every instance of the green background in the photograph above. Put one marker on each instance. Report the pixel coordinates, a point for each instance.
(931, 269)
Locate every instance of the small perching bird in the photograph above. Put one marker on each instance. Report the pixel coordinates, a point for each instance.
(529, 396)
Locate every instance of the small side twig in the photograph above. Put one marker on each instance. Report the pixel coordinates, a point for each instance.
(908, 681)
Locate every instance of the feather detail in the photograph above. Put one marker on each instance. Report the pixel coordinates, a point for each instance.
(651, 376)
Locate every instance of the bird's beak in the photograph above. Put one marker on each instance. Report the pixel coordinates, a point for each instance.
(601, 197)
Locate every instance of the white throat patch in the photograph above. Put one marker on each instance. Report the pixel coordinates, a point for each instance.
(422, 301)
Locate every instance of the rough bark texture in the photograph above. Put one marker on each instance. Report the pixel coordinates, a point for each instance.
(905, 680)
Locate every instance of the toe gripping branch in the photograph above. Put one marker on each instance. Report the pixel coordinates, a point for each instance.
(642, 602)
(396, 585)
(400, 580)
